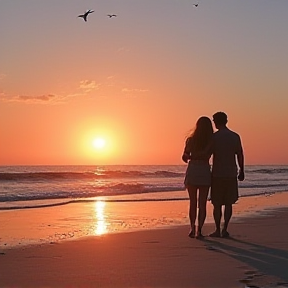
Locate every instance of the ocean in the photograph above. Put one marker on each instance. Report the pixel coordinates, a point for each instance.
(23, 187)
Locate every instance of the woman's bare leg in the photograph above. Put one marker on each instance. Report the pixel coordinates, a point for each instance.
(202, 202)
(192, 191)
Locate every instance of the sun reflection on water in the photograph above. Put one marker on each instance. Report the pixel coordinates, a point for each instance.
(100, 223)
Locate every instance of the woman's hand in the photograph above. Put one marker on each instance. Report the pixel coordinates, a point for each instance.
(185, 157)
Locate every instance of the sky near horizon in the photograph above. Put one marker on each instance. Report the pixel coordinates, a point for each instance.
(140, 80)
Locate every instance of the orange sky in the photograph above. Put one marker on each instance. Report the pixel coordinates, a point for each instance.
(140, 80)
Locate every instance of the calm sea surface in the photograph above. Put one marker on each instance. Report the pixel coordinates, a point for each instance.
(40, 186)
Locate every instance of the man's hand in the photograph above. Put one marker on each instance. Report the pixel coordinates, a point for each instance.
(241, 175)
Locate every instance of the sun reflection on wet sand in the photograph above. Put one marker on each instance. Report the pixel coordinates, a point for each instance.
(100, 223)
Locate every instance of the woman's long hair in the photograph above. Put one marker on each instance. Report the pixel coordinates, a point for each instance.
(199, 139)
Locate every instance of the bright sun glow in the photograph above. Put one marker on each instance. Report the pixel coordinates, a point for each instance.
(97, 146)
(99, 143)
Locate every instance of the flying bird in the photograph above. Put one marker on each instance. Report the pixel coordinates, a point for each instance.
(111, 15)
(85, 15)
(196, 5)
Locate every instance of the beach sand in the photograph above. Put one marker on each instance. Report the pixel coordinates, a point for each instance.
(155, 255)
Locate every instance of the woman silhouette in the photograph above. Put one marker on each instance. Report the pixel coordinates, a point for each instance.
(198, 174)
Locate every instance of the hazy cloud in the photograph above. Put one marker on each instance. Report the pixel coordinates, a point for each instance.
(30, 99)
(82, 89)
(88, 85)
(127, 90)
(36, 98)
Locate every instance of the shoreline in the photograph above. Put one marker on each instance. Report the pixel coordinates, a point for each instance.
(98, 218)
(255, 256)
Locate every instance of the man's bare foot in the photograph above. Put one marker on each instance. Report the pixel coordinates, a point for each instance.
(215, 234)
(225, 234)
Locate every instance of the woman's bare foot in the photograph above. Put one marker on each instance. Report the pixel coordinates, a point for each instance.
(192, 232)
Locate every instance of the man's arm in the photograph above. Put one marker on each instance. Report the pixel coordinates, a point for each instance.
(240, 160)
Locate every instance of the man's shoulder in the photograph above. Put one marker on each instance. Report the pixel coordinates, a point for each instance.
(225, 131)
(225, 134)
(233, 133)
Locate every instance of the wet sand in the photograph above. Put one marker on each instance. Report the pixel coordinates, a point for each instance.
(156, 256)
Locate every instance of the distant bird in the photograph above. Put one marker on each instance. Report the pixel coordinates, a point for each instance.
(196, 5)
(111, 15)
(85, 15)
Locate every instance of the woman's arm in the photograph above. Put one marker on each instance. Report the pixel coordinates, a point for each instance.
(186, 156)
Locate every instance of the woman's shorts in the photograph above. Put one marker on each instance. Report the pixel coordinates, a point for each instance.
(198, 174)
(224, 190)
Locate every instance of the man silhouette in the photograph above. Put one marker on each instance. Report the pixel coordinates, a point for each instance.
(226, 148)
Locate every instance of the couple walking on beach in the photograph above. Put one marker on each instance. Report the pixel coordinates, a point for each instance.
(224, 147)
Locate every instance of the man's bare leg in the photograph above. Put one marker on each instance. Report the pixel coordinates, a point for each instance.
(217, 214)
(227, 216)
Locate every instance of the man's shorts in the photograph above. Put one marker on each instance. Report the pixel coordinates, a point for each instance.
(224, 190)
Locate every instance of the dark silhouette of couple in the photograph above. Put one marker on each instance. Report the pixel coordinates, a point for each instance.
(224, 147)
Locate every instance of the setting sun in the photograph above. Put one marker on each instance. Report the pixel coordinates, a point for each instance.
(99, 143)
